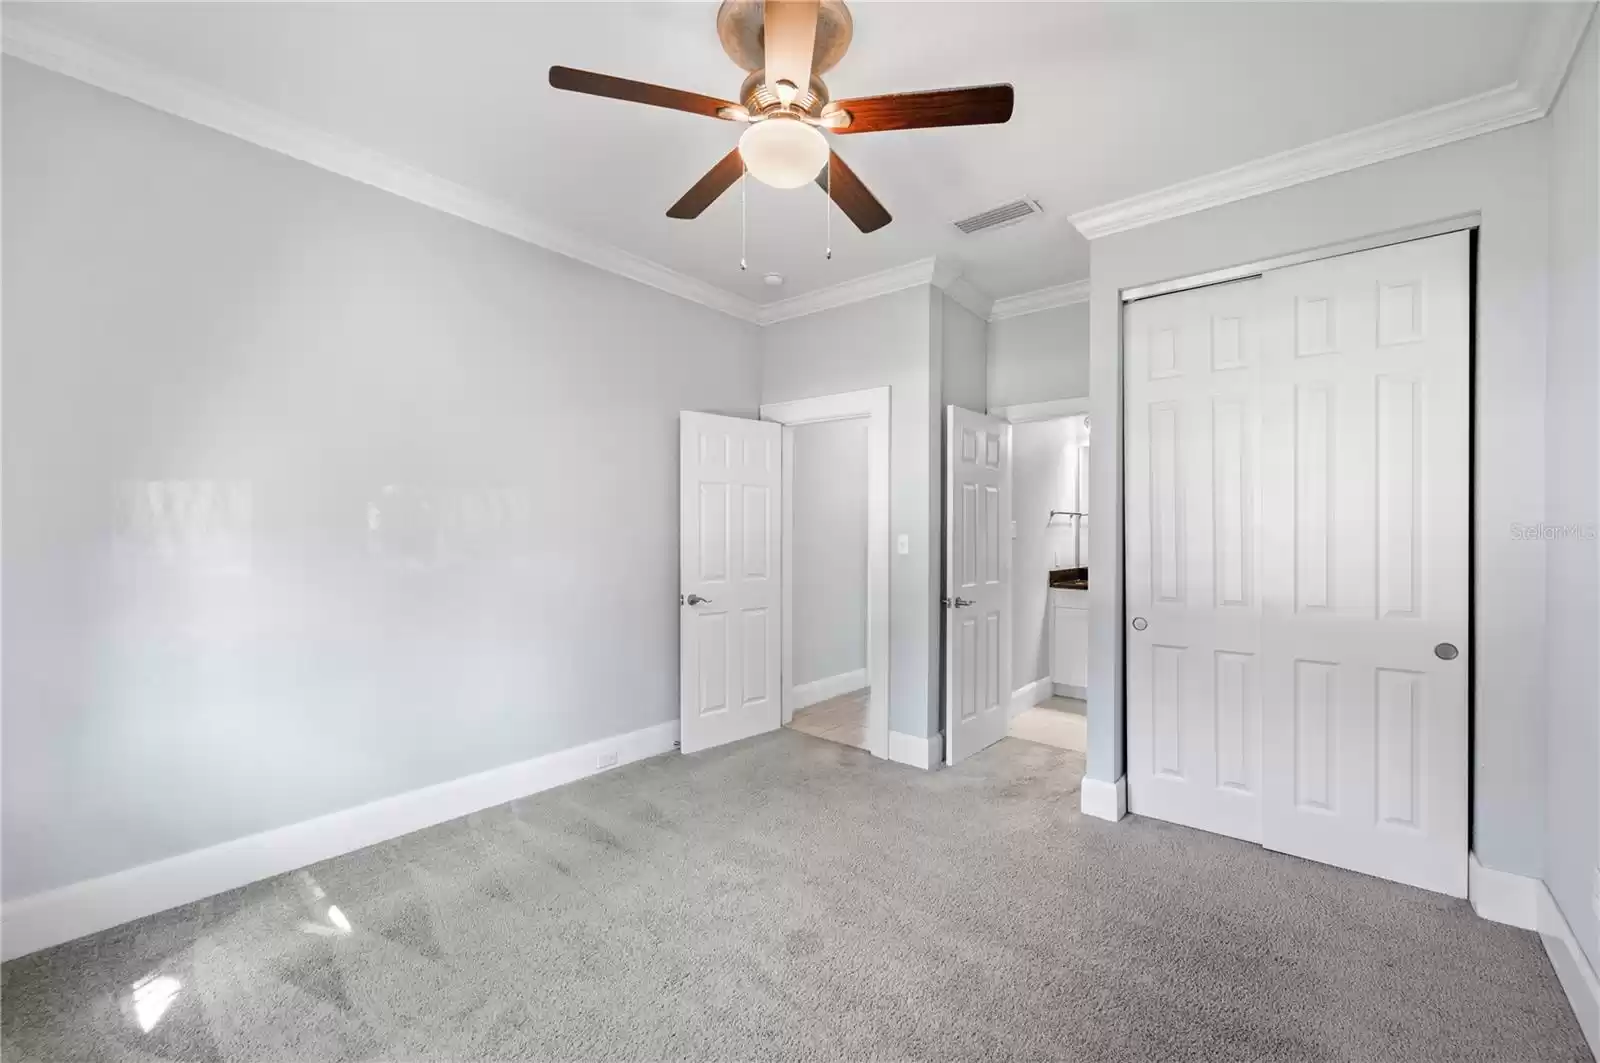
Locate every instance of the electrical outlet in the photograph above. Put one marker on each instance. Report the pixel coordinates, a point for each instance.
(608, 759)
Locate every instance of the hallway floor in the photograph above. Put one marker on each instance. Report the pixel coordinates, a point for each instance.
(783, 898)
(841, 719)
(1056, 721)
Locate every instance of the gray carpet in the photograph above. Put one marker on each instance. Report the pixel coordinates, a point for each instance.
(788, 898)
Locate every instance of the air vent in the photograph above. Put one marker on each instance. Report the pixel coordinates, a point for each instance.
(1005, 214)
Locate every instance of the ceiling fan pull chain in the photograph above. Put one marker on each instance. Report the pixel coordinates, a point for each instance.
(744, 225)
(827, 208)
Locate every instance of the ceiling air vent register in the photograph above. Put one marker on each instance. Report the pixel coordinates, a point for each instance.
(996, 217)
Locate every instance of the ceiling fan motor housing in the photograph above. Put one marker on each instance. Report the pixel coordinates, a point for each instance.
(739, 27)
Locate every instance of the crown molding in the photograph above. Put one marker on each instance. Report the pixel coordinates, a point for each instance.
(1552, 40)
(125, 76)
(852, 291)
(966, 294)
(1042, 299)
(1484, 113)
(175, 95)
(947, 277)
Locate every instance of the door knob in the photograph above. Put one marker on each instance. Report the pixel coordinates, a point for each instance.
(1446, 651)
(1140, 623)
(958, 603)
(695, 599)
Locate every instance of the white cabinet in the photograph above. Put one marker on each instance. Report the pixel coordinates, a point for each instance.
(1069, 641)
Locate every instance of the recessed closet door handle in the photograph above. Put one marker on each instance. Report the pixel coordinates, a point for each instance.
(1446, 651)
(1140, 623)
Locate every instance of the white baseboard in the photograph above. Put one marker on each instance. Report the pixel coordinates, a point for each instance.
(1104, 800)
(1027, 696)
(44, 919)
(924, 753)
(806, 694)
(1572, 966)
(1067, 690)
(1501, 896)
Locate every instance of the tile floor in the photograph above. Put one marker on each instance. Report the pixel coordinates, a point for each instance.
(841, 719)
(1058, 722)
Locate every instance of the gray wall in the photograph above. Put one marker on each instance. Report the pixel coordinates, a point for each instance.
(312, 495)
(882, 342)
(1505, 176)
(1039, 356)
(828, 508)
(1572, 482)
(963, 356)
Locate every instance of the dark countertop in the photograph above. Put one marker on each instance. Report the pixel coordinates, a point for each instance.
(1069, 579)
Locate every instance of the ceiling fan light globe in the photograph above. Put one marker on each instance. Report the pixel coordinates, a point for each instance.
(783, 152)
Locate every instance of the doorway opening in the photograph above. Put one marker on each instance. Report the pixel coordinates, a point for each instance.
(835, 567)
(828, 690)
(1050, 573)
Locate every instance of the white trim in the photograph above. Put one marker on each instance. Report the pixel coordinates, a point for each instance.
(1041, 411)
(1547, 53)
(804, 695)
(1572, 966)
(970, 298)
(1042, 299)
(1438, 227)
(858, 290)
(1028, 695)
(1552, 40)
(924, 753)
(1501, 896)
(786, 577)
(176, 95)
(1551, 44)
(1103, 800)
(45, 919)
(1067, 690)
(872, 403)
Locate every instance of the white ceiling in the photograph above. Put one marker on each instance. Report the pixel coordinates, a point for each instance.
(1112, 100)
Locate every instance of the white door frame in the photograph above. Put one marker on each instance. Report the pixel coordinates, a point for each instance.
(1109, 801)
(1050, 410)
(873, 404)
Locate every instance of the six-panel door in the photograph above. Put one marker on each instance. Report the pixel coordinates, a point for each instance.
(729, 521)
(1297, 566)
(1193, 642)
(1365, 393)
(977, 581)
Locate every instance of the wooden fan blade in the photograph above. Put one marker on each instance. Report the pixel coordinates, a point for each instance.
(591, 84)
(789, 30)
(846, 189)
(706, 190)
(979, 105)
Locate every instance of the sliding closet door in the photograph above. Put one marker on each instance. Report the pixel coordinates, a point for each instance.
(1364, 464)
(1192, 602)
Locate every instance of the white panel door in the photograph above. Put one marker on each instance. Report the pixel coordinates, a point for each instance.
(730, 477)
(1193, 605)
(1365, 448)
(977, 641)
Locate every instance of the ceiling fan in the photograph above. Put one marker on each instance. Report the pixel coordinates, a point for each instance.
(786, 45)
